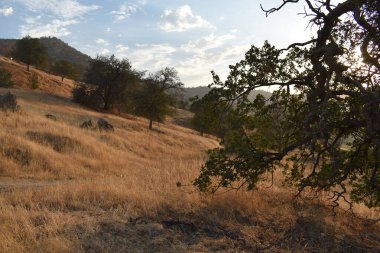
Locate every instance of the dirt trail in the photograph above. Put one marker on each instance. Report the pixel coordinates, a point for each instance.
(9, 184)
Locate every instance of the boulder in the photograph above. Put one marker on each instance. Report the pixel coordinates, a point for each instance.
(103, 125)
(8, 102)
(88, 125)
(50, 116)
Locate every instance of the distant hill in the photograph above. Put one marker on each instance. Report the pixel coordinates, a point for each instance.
(57, 49)
(203, 90)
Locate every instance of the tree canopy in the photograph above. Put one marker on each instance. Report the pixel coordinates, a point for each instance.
(213, 115)
(112, 79)
(65, 68)
(153, 100)
(30, 51)
(321, 126)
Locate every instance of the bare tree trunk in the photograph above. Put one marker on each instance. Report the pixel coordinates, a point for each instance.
(106, 106)
(150, 124)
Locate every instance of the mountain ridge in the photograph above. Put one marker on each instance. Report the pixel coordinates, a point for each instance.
(57, 50)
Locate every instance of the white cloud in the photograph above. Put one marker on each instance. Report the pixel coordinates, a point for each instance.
(152, 56)
(202, 64)
(102, 42)
(104, 51)
(6, 11)
(108, 29)
(121, 51)
(35, 28)
(127, 9)
(66, 9)
(181, 19)
(206, 43)
(65, 13)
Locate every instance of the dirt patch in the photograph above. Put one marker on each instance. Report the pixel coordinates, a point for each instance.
(62, 144)
(12, 184)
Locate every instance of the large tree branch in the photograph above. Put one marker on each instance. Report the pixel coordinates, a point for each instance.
(271, 10)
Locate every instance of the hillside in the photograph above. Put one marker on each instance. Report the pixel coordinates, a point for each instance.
(57, 50)
(47, 82)
(68, 189)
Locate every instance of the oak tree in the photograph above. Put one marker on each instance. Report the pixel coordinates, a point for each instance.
(30, 51)
(155, 98)
(65, 68)
(112, 79)
(321, 127)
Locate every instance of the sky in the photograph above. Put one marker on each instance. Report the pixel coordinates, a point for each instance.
(194, 37)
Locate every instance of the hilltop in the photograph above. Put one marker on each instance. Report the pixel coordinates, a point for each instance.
(68, 189)
(57, 50)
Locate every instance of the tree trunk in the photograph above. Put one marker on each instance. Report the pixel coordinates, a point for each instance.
(27, 67)
(106, 106)
(150, 124)
(62, 78)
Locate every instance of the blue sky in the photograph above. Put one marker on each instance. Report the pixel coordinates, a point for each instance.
(195, 37)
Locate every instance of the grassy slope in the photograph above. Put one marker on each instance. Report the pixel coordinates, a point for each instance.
(65, 189)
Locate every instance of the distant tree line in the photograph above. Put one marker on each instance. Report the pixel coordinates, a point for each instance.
(110, 83)
(107, 84)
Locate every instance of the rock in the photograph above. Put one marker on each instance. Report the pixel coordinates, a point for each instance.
(88, 125)
(103, 125)
(50, 116)
(8, 101)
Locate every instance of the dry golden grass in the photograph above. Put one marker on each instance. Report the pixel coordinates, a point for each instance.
(48, 82)
(67, 189)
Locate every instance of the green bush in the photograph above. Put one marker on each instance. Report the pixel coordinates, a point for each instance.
(87, 95)
(34, 81)
(5, 78)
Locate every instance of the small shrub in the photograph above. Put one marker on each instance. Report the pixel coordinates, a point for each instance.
(86, 95)
(5, 78)
(59, 143)
(8, 102)
(34, 83)
(19, 155)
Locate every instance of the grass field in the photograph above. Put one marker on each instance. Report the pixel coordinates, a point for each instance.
(67, 189)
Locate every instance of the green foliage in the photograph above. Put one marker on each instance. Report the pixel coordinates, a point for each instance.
(31, 52)
(153, 99)
(5, 78)
(87, 95)
(113, 81)
(33, 80)
(321, 125)
(66, 69)
(211, 115)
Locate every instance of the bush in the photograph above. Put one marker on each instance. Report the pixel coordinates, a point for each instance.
(86, 95)
(5, 78)
(33, 79)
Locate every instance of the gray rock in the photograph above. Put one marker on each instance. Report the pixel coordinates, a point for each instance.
(8, 102)
(50, 116)
(103, 125)
(88, 125)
